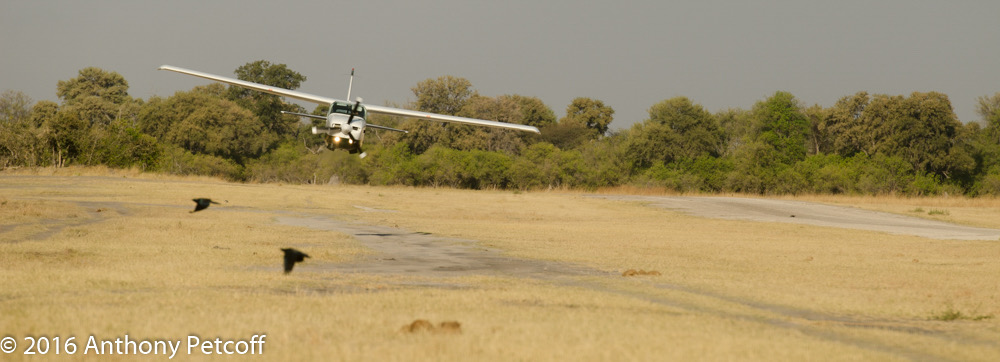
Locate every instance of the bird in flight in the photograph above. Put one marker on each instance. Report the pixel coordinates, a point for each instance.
(202, 204)
(292, 256)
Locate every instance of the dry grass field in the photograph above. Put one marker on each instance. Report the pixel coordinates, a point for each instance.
(527, 276)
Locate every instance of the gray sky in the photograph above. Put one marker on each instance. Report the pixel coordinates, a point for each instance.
(629, 54)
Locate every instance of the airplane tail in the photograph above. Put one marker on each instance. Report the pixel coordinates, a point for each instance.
(350, 84)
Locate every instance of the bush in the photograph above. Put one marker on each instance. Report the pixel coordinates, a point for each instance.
(484, 169)
(291, 163)
(673, 177)
(827, 174)
(125, 146)
(988, 184)
(923, 184)
(438, 166)
(789, 181)
(176, 160)
(390, 166)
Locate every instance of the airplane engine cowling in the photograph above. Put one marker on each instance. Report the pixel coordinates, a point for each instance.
(358, 129)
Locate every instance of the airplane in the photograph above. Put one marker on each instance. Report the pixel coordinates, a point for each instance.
(345, 122)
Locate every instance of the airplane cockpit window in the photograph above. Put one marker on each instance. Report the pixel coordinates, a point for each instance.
(341, 108)
(346, 108)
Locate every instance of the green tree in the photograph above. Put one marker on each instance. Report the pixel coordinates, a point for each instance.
(385, 138)
(676, 129)
(533, 111)
(268, 107)
(781, 124)
(697, 130)
(768, 141)
(439, 166)
(18, 135)
(391, 166)
(43, 111)
(502, 109)
(66, 135)
(921, 129)
(604, 158)
(455, 96)
(423, 134)
(107, 132)
(988, 109)
(755, 168)
(15, 107)
(540, 166)
(737, 129)
(178, 161)
(97, 97)
(121, 144)
(444, 95)
(95, 124)
(820, 138)
(566, 135)
(924, 132)
(590, 113)
(485, 170)
(201, 122)
(850, 131)
(96, 82)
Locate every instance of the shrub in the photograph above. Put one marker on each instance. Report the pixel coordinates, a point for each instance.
(176, 160)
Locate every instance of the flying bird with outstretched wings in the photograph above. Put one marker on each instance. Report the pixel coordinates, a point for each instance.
(293, 256)
(202, 203)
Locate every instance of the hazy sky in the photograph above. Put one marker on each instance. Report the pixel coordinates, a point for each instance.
(629, 54)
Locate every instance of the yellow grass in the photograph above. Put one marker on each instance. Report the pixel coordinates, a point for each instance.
(107, 253)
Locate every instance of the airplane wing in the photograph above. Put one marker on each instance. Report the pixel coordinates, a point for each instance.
(445, 118)
(371, 108)
(255, 86)
(369, 125)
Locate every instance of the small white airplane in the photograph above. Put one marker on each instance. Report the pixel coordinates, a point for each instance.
(345, 123)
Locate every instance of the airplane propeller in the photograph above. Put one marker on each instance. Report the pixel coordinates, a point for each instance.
(357, 103)
(347, 129)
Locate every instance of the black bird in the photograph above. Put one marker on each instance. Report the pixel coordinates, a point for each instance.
(292, 256)
(202, 204)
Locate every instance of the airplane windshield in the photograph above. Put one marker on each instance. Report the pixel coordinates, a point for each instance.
(346, 108)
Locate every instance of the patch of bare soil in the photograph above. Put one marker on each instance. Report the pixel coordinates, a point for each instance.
(421, 254)
(90, 213)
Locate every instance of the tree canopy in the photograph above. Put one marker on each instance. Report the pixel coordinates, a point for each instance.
(268, 107)
(676, 129)
(202, 122)
(864, 143)
(591, 114)
(94, 82)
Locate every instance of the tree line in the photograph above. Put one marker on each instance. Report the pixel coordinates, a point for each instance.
(864, 144)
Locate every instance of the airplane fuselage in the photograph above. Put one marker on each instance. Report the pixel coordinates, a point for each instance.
(345, 127)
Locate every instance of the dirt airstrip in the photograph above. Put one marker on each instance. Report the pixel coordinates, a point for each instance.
(413, 253)
(403, 252)
(435, 262)
(808, 213)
